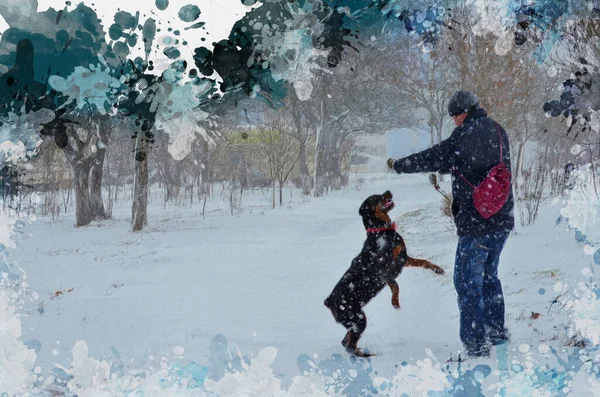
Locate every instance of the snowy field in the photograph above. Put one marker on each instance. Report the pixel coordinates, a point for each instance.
(210, 293)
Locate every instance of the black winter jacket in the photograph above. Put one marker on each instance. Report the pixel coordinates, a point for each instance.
(474, 149)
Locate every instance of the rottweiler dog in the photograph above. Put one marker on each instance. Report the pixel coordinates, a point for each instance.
(382, 259)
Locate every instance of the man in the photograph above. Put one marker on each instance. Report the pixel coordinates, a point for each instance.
(469, 153)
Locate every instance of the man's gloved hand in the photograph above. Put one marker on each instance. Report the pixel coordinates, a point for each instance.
(390, 163)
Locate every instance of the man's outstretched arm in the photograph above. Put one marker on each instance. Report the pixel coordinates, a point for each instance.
(438, 158)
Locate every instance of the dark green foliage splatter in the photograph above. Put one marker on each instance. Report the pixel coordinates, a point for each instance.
(203, 58)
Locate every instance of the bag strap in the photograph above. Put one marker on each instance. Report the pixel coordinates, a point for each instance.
(455, 170)
(499, 137)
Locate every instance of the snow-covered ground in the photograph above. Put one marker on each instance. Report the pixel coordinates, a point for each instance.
(205, 294)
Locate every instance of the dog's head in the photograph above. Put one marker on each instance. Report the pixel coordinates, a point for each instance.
(374, 210)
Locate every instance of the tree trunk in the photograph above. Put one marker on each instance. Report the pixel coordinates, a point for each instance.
(280, 193)
(302, 158)
(96, 205)
(431, 133)
(519, 166)
(593, 169)
(317, 187)
(440, 129)
(520, 157)
(203, 169)
(140, 192)
(304, 174)
(83, 215)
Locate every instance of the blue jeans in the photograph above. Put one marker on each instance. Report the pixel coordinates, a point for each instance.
(480, 298)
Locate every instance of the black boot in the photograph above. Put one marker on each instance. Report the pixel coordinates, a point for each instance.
(350, 341)
(498, 337)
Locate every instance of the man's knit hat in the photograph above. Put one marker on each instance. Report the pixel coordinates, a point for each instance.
(462, 102)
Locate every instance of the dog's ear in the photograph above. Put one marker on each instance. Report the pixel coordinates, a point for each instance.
(367, 208)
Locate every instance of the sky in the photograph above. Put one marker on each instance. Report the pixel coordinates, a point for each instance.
(219, 15)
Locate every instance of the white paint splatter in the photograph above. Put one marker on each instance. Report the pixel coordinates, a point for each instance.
(17, 360)
(257, 378)
(585, 314)
(494, 20)
(576, 149)
(426, 375)
(179, 117)
(594, 119)
(292, 55)
(19, 135)
(178, 350)
(582, 207)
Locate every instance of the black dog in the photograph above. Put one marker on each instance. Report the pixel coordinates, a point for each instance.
(379, 263)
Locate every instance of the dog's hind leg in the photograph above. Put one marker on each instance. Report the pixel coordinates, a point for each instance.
(395, 293)
(425, 264)
(358, 319)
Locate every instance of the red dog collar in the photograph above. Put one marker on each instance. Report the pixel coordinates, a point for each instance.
(382, 229)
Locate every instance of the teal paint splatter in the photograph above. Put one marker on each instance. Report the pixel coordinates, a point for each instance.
(132, 40)
(162, 4)
(172, 52)
(86, 39)
(121, 49)
(196, 25)
(597, 257)
(579, 236)
(125, 19)
(88, 19)
(189, 13)
(148, 33)
(115, 31)
(194, 372)
(90, 89)
(62, 37)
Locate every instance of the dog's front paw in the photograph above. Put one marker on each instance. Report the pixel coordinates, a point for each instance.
(438, 270)
(396, 302)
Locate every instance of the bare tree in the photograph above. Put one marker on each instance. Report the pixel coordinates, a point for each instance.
(423, 78)
(355, 98)
(84, 145)
(301, 131)
(281, 151)
(139, 209)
